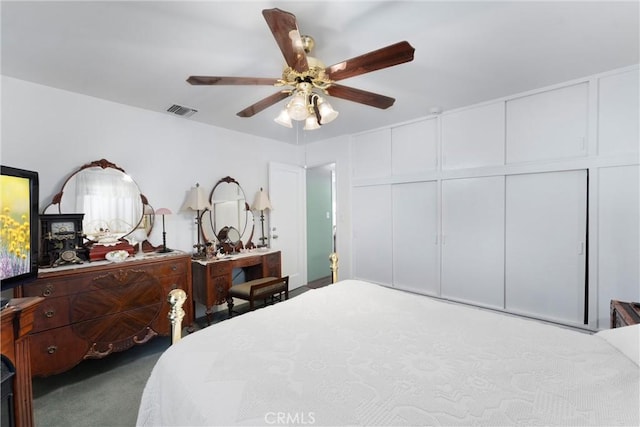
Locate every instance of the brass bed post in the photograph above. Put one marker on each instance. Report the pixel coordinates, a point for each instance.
(177, 297)
(333, 257)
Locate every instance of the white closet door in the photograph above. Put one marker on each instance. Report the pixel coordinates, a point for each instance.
(473, 240)
(371, 154)
(415, 246)
(546, 245)
(372, 240)
(414, 147)
(618, 233)
(463, 132)
(618, 113)
(548, 125)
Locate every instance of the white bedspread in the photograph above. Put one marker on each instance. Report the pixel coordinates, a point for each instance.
(356, 353)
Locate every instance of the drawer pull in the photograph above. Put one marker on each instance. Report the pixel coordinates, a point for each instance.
(174, 267)
(52, 349)
(49, 313)
(48, 290)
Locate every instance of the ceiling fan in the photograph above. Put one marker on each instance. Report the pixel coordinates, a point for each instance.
(304, 76)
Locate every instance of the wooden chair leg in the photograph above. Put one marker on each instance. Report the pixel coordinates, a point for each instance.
(230, 306)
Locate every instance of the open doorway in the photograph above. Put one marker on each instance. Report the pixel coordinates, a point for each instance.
(321, 223)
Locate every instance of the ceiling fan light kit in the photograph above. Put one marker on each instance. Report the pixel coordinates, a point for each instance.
(307, 77)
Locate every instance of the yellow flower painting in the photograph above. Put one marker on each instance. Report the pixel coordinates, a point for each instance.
(14, 226)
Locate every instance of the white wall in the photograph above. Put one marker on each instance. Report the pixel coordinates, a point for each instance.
(55, 132)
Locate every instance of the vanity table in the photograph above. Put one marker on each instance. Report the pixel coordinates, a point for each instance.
(213, 278)
(93, 309)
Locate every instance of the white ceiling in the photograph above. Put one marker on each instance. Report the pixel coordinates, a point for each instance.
(140, 53)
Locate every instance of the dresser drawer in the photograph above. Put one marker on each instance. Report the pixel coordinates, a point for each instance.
(51, 313)
(54, 285)
(59, 349)
(55, 351)
(219, 268)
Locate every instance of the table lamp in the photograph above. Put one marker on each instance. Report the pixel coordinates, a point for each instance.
(197, 201)
(163, 212)
(261, 203)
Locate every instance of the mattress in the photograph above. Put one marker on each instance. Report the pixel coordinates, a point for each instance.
(356, 353)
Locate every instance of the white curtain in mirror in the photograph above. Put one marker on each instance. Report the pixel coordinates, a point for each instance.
(110, 198)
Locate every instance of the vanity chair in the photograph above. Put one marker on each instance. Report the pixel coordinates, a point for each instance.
(259, 290)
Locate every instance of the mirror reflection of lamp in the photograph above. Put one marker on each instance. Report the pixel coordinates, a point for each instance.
(163, 212)
(261, 203)
(197, 201)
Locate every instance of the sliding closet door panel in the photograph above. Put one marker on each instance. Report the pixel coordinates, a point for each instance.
(415, 246)
(546, 245)
(372, 240)
(618, 233)
(473, 240)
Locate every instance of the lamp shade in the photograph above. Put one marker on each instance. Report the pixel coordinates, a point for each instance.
(196, 200)
(311, 123)
(163, 211)
(284, 119)
(261, 202)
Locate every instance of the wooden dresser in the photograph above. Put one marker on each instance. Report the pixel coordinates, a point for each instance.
(95, 309)
(213, 278)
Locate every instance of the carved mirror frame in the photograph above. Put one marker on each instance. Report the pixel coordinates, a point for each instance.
(229, 237)
(147, 216)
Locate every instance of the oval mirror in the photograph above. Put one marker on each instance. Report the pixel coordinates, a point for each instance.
(230, 220)
(111, 201)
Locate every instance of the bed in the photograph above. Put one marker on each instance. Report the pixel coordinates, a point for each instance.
(356, 353)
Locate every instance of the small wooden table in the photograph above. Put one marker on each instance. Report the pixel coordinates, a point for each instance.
(624, 313)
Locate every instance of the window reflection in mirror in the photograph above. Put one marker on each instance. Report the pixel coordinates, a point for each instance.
(109, 198)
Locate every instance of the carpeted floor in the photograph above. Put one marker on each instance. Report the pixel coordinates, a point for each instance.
(106, 392)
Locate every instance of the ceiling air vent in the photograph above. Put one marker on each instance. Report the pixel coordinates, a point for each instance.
(181, 111)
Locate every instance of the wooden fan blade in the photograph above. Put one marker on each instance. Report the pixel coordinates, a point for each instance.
(389, 56)
(226, 81)
(360, 96)
(262, 104)
(285, 30)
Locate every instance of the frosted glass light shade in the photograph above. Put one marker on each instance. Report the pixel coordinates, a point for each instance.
(327, 113)
(283, 119)
(297, 107)
(311, 123)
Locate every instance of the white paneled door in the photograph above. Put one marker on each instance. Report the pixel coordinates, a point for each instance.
(415, 237)
(372, 239)
(546, 245)
(473, 240)
(287, 225)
